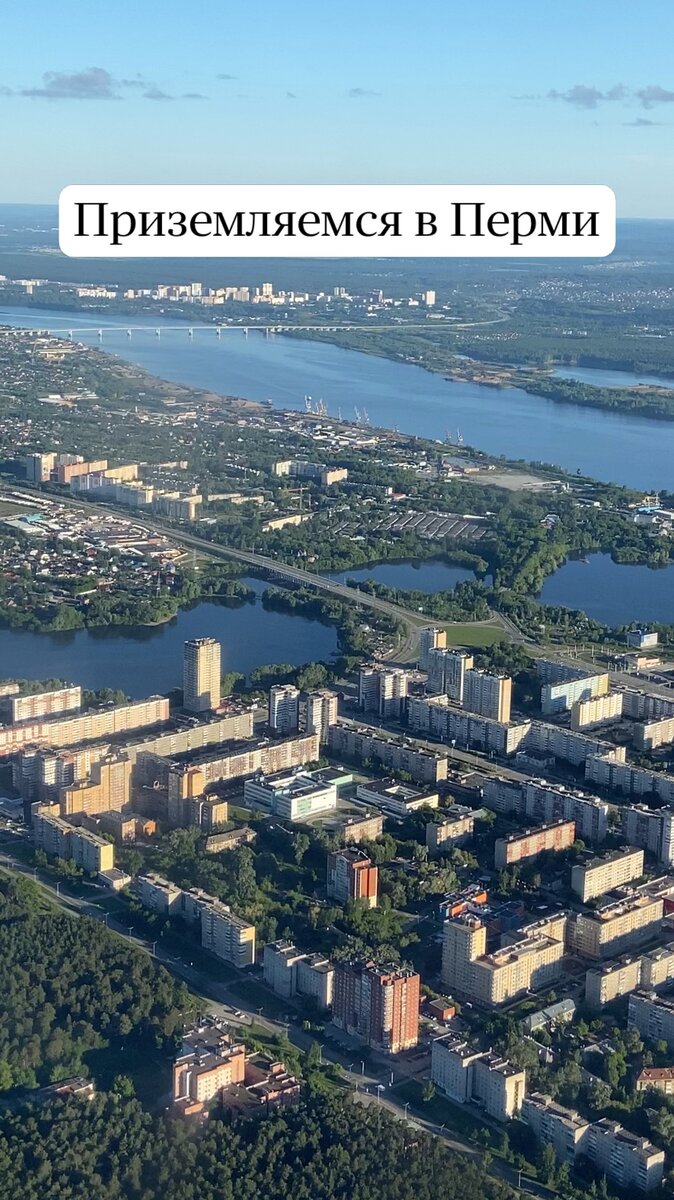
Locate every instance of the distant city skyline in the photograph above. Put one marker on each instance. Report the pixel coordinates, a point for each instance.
(374, 93)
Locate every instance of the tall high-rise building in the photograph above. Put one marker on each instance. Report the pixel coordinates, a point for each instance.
(447, 672)
(383, 690)
(489, 695)
(430, 638)
(352, 876)
(378, 1004)
(318, 711)
(201, 675)
(284, 708)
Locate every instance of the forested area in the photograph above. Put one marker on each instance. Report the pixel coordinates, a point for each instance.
(107, 1149)
(69, 987)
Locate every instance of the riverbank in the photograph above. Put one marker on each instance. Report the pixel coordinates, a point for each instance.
(648, 401)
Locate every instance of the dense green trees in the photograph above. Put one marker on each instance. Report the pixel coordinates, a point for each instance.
(109, 1149)
(68, 986)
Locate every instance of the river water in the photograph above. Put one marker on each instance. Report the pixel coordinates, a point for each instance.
(145, 660)
(623, 449)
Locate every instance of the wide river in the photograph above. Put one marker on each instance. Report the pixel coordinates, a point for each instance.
(623, 449)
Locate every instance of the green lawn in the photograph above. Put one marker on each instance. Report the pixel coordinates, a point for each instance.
(474, 635)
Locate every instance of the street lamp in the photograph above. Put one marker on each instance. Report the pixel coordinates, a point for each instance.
(154, 949)
(320, 1054)
(362, 1067)
(407, 1104)
(380, 1089)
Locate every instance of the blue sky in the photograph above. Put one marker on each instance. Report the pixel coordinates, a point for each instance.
(525, 91)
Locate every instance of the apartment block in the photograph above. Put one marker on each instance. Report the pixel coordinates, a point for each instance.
(356, 742)
(289, 972)
(548, 802)
(612, 980)
(351, 876)
(454, 829)
(642, 826)
(553, 1125)
(618, 927)
(567, 745)
(601, 875)
(530, 962)
(42, 704)
(626, 1159)
(207, 1062)
(227, 935)
(201, 675)
(430, 639)
(652, 1016)
(383, 690)
(452, 1062)
(654, 734)
(109, 788)
(362, 829)
(437, 717)
(609, 770)
(646, 706)
(498, 1086)
(157, 893)
(237, 760)
(600, 710)
(489, 695)
(378, 1004)
(57, 837)
(517, 847)
(318, 711)
(84, 727)
(560, 696)
(315, 978)
(657, 967)
(284, 708)
(463, 1074)
(38, 467)
(67, 471)
(447, 672)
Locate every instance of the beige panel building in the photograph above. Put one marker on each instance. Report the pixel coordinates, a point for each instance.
(601, 875)
(657, 967)
(201, 675)
(556, 1126)
(600, 710)
(614, 979)
(463, 1074)
(618, 927)
(489, 695)
(527, 964)
(227, 935)
(108, 789)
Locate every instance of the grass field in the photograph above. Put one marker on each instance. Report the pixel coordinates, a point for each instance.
(474, 635)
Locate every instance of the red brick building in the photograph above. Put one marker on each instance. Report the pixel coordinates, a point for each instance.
(352, 876)
(378, 1004)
